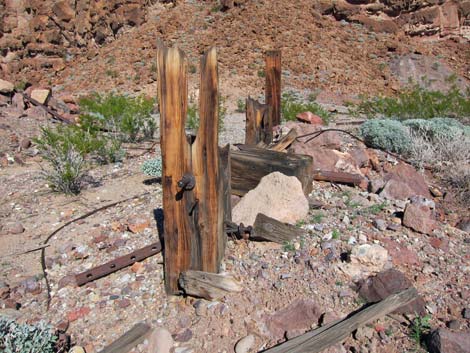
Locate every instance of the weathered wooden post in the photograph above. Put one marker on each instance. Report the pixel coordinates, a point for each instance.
(258, 123)
(273, 85)
(196, 197)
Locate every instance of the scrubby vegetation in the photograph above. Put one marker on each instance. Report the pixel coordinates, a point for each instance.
(417, 102)
(153, 167)
(105, 123)
(292, 104)
(16, 338)
(192, 120)
(388, 135)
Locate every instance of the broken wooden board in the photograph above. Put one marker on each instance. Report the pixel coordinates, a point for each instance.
(270, 229)
(250, 164)
(321, 338)
(117, 264)
(338, 177)
(284, 142)
(273, 85)
(206, 285)
(136, 335)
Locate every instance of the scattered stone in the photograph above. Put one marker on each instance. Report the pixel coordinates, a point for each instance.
(298, 316)
(18, 102)
(79, 313)
(137, 267)
(466, 313)
(77, 349)
(15, 228)
(386, 283)
(445, 341)
(376, 185)
(419, 218)
(4, 290)
(309, 118)
(365, 259)
(464, 224)
(245, 344)
(25, 144)
(328, 140)
(68, 280)
(137, 225)
(160, 341)
(400, 254)
(41, 95)
(453, 325)
(6, 87)
(31, 285)
(379, 224)
(277, 196)
(184, 336)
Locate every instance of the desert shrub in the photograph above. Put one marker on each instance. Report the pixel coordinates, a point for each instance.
(389, 135)
(416, 102)
(192, 120)
(23, 338)
(127, 118)
(153, 167)
(292, 104)
(241, 105)
(445, 128)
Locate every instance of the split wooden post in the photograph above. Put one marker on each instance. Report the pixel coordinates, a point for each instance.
(195, 195)
(258, 123)
(273, 85)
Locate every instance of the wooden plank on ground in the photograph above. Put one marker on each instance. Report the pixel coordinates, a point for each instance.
(210, 286)
(129, 340)
(270, 229)
(338, 177)
(250, 164)
(284, 142)
(317, 340)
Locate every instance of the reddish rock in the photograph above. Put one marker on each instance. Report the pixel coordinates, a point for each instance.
(386, 283)
(327, 139)
(419, 218)
(123, 303)
(184, 336)
(68, 280)
(4, 290)
(25, 144)
(137, 267)
(18, 102)
(15, 228)
(78, 313)
(403, 182)
(31, 285)
(439, 243)
(400, 254)
(446, 341)
(376, 25)
(63, 11)
(298, 316)
(137, 225)
(360, 156)
(309, 118)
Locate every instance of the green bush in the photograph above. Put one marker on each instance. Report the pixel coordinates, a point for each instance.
(442, 128)
(23, 338)
(128, 118)
(192, 120)
(291, 105)
(153, 167)
(416, 102)
(389, 135)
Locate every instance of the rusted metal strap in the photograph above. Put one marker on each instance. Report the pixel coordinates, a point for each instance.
(239, 231)
(118, 263)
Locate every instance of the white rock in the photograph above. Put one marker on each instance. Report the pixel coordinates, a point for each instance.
(77, 349)
(277, 196)
(366, 259)
(245, 344)
(41, 95)
(160, 341)
(6, 87)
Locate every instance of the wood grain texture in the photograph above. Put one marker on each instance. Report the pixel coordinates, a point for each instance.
(194, 218)
(338, 177)
(206, 285)
(284, 142)
(259, 128)
(172, 94)
(250, 164)
(270, 229)
(273, 85)
(129, 340)
(317, 340)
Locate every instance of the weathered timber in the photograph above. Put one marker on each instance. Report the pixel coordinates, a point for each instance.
(206, 285)
(284, 142)
(270, 229)
(259, 128)
(194, 193)
(328, 335)
(273, 85)
(225, 196)
(177, 203)
(117, 264)
(250, 164)
(129, 340)
(209, 215)
(338, 177)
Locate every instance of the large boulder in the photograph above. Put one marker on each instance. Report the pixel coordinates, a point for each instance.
(445, 341)
(403, 182)
(419, 217)
(277, 196)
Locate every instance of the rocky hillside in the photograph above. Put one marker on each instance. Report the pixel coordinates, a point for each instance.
(341, 47)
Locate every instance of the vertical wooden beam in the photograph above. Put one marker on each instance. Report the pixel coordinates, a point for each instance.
(172, 94)
(205, 158)
(258, 123)
(273, 85)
